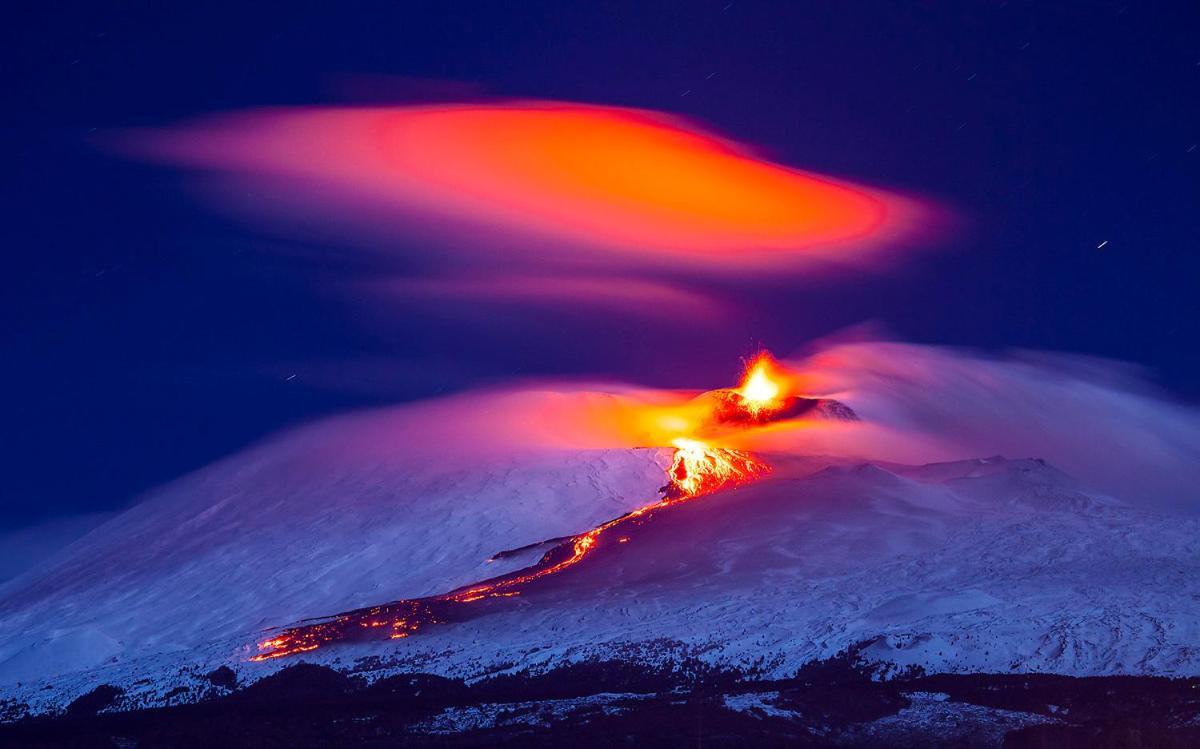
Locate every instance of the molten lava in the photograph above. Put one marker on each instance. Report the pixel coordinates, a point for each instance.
(762, 385)
(696, 469)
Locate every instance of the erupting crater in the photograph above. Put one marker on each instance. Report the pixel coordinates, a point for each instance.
(768, 393)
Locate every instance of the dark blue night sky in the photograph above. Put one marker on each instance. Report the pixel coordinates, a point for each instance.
(145, 335)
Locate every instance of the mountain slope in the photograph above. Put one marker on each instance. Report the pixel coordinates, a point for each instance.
(274, 536)
(991, 566)
(977, 566)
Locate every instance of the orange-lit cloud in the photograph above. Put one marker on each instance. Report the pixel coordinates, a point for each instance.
(634, 297)
(544, 182)
(917, 404)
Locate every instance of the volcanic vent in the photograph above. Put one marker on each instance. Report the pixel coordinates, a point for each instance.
(768, 393)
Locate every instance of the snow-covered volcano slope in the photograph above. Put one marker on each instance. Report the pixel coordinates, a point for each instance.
(989, 565)
(982, 565)
(293, 530)
(977, 566)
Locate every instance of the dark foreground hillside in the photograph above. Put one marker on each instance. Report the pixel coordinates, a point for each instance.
(828, 704)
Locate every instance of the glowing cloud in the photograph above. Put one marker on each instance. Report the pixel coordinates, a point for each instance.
(1093, 419)
(916, 404)
(613, 294)
(564, 179)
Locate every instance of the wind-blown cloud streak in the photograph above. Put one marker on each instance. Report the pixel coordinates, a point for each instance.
(1098, 420)
(918, 404)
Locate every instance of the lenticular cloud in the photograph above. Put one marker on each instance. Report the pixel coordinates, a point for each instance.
(541, 182)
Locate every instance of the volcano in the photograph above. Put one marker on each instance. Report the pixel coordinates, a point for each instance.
(329, 546)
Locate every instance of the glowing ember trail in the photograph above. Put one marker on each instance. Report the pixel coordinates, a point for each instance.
(696, 470)
(766, 394)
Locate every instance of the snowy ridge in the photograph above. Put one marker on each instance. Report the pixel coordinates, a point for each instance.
(1009, 571)
(988, 565)
(243, 545)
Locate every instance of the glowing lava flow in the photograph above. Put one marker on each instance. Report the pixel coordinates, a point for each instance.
(696, 470)
(768, 393)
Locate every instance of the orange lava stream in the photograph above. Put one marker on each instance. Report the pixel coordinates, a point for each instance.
(696, 470)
